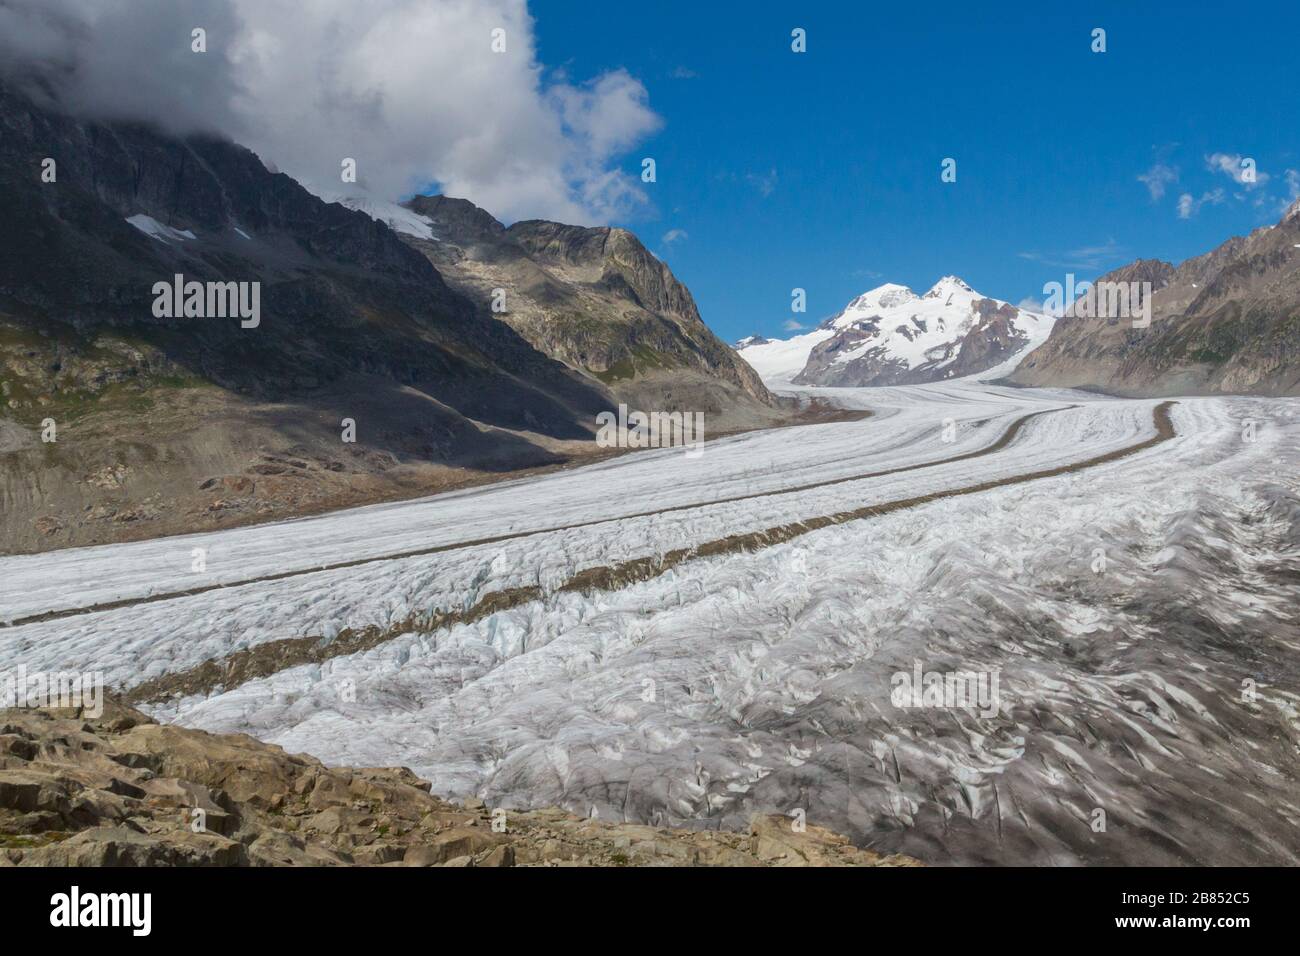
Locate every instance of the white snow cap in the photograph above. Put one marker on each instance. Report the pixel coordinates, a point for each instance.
(1293, 212)
(946, 286)
(396, 217)
(895, 324)
(919, 330)
(158, 230)
(881, 297)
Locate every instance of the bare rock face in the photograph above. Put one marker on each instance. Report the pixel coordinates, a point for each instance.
(120, 790)
(594, 298)
(993, 340)
(1224, 322)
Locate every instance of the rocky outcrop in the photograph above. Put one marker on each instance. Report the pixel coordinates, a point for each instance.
(1227, 321)
(595, 299)
(994, 338)
(120, 790)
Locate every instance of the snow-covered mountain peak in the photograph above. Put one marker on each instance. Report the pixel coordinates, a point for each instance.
(890, 335)
(942, 308)
(881, 300)
(947, 286)
(881, 297)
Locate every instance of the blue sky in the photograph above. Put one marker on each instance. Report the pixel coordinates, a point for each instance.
(822, 170)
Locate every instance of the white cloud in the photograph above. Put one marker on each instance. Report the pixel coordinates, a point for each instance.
(128, 59)
(1084, 258)
(792, 326)
(1230, 164)
(674, 235)
(1189, 205)
(765, 183)
(412, 91)
(1031, 304)
(1157, 178)
(607, 115)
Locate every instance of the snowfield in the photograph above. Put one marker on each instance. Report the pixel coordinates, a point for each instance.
(778, 361)
(395, 216)
(1141, 616)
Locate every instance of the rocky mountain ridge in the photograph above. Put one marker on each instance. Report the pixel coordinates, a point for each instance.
(597, 300)
(1223, 322)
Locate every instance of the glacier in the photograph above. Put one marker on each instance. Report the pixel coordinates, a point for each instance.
(1141, 614)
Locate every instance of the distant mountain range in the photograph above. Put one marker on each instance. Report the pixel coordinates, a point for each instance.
(1226, 321)
(892, 336)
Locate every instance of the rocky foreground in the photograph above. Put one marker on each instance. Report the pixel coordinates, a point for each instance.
(122, 790)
